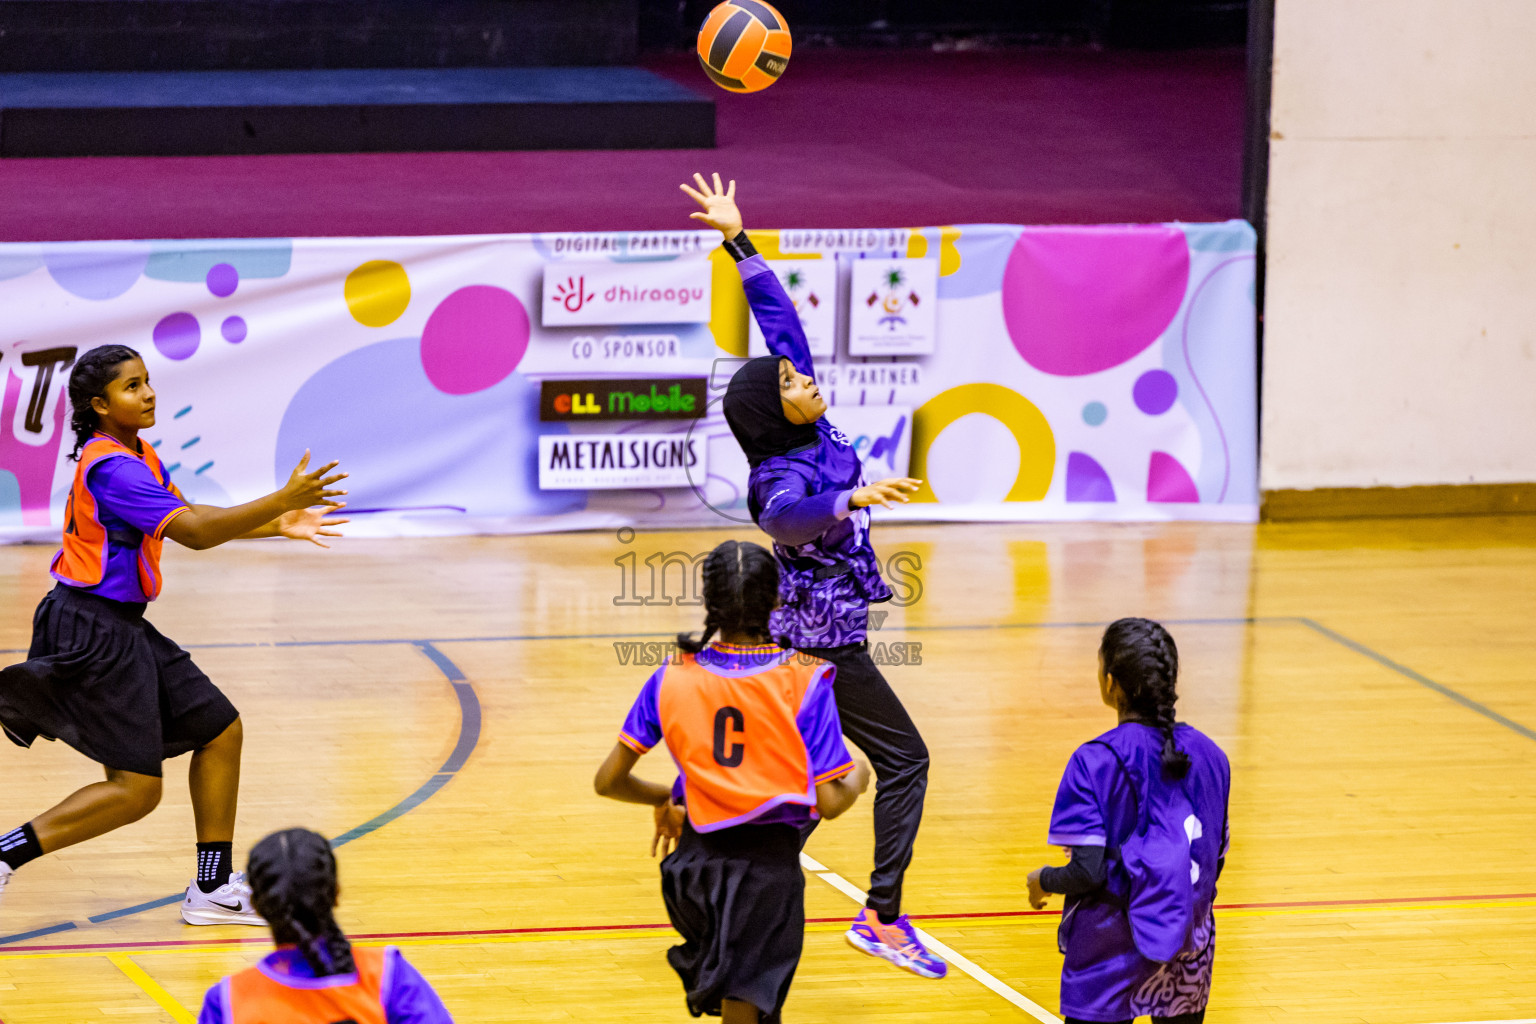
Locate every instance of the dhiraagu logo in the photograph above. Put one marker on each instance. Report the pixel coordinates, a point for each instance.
(572, 294)
(676, 291)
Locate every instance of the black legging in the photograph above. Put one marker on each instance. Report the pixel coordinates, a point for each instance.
(874, 719)
(1198, 1017)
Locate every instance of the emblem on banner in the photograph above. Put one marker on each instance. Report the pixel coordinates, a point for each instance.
(893, 309)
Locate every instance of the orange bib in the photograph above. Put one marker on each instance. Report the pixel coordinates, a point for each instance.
(255, 998)
(82, 560)
(736, 738)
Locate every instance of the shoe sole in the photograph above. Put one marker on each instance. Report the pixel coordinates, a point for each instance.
(213, 916)
(877, 950)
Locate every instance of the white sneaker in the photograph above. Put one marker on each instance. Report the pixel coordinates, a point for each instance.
(230, 903)
(6, 871)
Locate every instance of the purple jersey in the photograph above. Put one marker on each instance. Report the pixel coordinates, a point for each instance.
(828, 573)
(129, 502)
(408, 997)
(1104, 976)
(817, 721)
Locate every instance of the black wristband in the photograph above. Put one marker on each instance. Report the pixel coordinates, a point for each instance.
(739, 247)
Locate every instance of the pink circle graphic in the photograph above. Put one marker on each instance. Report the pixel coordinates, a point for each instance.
(1081, 300)
(474, 339)
(178, 335)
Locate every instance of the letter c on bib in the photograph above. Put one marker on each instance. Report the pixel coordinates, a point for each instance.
(729, 720)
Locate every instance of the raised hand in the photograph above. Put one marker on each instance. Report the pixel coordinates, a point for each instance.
(719, 205)
(883, 492)
(306, 488)
(311, 524)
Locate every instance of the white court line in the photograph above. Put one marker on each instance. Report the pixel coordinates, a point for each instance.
(1030, 1007)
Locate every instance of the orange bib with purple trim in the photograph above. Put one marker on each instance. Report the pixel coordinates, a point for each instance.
(82, 560)
(736, 738)
(255, 998)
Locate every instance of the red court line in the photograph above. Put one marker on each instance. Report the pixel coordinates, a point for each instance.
(579, 928)
(1376, 902)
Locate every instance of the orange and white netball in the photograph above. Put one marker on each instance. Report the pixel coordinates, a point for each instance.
(744, 45)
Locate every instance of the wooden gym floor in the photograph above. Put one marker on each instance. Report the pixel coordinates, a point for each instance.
(439, 706)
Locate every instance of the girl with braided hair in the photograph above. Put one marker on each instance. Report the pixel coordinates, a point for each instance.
(754, 729)
(99, 676)
(1142, 811)
(315, 976)
(807, 491)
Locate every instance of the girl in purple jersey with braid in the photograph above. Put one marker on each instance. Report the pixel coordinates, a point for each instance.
(1143, 811)
(807, 491)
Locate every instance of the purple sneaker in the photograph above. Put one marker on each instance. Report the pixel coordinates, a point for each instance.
(896, 942)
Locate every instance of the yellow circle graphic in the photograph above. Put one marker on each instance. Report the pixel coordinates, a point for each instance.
(378, 292)
(1037, 444)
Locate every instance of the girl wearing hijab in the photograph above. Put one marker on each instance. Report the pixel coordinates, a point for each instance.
(807, 491)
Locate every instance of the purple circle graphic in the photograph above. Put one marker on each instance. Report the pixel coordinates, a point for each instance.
(96, 270)
(233, 329)
(1081, 300)
(1155, 391)
(223, 279)
(177, 336)
(474, 339)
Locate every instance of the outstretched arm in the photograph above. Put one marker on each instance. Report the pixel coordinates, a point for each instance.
(206, 526)
(792, 515)
(771, 305)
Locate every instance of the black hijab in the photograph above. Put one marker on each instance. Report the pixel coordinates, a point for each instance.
(755, 412)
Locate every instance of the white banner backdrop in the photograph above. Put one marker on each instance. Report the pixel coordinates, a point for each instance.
(1074, 373)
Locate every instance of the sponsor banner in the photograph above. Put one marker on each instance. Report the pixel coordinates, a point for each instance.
(582, 462)
(812, 286)
(893, 307)
(1085, 373)
(655, 398)
(591, 294)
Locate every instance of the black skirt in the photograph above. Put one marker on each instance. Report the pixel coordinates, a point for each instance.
(737, 897)
(105, 681)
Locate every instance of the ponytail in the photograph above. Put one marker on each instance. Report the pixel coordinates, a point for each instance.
(89, 379)
(293, 884)
(741, 588)
(1143, 659)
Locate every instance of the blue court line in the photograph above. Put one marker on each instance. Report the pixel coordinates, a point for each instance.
(469, 738)
(39, 933)
(1422, 680)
